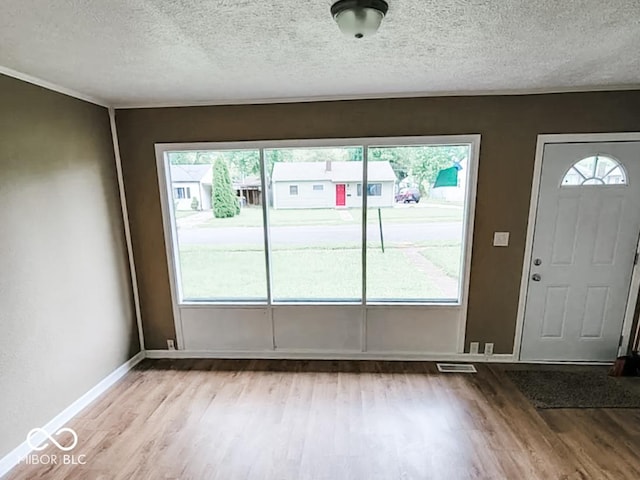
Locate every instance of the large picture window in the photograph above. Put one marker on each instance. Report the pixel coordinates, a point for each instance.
(278, 223)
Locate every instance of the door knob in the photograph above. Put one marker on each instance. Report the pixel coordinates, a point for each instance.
(536, 277)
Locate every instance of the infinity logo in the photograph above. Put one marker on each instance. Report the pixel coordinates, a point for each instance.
(42, 431)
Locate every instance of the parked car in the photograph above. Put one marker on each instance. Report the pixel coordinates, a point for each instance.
(407, 195)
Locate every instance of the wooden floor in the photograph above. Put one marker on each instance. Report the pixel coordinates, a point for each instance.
(232, 420)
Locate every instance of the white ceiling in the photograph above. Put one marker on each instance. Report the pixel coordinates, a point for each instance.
(174, 52)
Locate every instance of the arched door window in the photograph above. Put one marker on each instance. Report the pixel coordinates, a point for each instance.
(595, 170)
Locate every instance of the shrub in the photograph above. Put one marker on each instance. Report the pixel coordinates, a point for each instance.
(195, 204)
(225, 203)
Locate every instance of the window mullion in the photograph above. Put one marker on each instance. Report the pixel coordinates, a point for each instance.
(365, 191)
(265, 223)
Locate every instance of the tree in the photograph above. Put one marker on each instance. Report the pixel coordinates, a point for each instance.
(191, 157)
(399, 158)
(419, 165)
(223, 197)
(429, 161)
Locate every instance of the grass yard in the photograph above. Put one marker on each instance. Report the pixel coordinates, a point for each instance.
(210, 273)
(328, 272)
(392, 275)
(447, 257)
(252, 216)
(185, 213)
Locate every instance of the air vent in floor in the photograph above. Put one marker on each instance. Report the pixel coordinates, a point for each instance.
(456, 368)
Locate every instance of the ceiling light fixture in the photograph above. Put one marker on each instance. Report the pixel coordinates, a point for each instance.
(359, 18)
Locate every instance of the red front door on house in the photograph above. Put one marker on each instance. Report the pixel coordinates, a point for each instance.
(341, 196)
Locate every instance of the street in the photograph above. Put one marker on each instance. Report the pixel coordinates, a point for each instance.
(313, 235)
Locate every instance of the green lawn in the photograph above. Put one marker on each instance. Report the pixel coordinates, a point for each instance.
(252, 216)
(327, 272)
(447, 257)
(185, 213)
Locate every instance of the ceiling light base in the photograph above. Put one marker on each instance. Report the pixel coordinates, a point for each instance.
(359, 18)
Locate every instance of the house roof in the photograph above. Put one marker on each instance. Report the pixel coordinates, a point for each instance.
(340, 172)
(190, 173)
(252, 181)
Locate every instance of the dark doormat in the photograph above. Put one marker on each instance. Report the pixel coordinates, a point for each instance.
(577, 389)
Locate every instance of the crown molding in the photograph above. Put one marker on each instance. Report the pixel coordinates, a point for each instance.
(373, 96)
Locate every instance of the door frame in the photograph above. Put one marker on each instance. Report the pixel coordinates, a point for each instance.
(634, 289)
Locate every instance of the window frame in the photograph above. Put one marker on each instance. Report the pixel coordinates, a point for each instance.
(170, 228)
(292, 189)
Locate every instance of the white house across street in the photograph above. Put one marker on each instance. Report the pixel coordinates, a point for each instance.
(331, 184)
(189, 182)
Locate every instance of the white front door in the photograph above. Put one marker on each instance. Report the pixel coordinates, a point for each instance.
(585, 238)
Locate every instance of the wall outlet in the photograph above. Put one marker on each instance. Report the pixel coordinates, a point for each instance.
(488, 348)
(170, 344)
(474, 348)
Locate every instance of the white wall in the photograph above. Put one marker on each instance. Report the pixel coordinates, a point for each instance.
(194, 191)
(326, 330)
(453, 194)
(387, 199)
(205, 197)
(307, 197)
(353, 200)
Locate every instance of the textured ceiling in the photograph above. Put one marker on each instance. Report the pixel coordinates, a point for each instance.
(150, 52)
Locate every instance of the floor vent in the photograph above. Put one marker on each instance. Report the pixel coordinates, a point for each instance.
(456, 368)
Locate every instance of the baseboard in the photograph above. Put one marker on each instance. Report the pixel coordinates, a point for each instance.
(565, 362)
(330, 355)
(344, 355)
(17, 454)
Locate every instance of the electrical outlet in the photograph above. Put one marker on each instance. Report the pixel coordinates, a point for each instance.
(474, 348)
(488, 348)
(170, 344)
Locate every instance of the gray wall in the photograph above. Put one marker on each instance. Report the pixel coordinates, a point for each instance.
(66, 312)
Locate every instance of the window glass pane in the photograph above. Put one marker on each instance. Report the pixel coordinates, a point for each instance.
(573, 177)
(415, 224)
(596, 170)
(374, 189)
(316, 236)
(218, 215)
(587, 167)
(615, 176)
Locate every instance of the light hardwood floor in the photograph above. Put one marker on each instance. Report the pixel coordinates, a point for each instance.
(228, 420)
